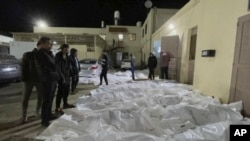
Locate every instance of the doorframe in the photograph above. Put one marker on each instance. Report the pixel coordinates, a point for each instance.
(190, 33)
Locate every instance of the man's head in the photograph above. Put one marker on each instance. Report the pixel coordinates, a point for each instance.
(64, 48)
(73, 52)
(44, 43)
(150, 54)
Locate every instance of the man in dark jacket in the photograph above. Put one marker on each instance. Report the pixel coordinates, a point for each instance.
(30, 80)
(132, 64)
(63, 67)
(46, 69)
(75, 69)
(104, 63)
(152, 63)
(164, 62)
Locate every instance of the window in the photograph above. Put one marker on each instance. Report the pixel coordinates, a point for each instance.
(146, 27)
(142, 33)
(132, 36)
(90, 47)
(248, 5)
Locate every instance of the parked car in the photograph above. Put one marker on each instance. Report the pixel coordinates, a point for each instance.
(89, 68)
(126, 65)
(9, 68)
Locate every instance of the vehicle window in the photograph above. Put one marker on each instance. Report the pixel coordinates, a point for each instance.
(7, 60)
(88, 61)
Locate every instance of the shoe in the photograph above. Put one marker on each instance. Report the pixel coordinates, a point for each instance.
(74, 92)
(45, 124)
(53, 116)
(38, 114)
(59, 111)
(24, 119)
(66, 106)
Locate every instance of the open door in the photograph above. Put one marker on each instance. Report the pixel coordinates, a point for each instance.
(240, 83)
(171, 44)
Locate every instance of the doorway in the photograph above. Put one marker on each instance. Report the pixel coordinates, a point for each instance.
(192, 49)
(240, 83)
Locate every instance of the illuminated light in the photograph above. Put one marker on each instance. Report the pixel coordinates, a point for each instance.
(171, 26)
(42, 24)
(120, 37)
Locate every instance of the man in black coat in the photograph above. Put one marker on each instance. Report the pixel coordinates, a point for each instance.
(46, 70)
(30, 80)
(152, 63)
(75, 69)
(63, 67)
(104, 63)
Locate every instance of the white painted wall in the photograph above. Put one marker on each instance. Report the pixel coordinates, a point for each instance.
(67, 30)
(5, 39)
(161, 16)
(18, 48)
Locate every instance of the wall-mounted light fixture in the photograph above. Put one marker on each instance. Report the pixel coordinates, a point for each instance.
(171, 26)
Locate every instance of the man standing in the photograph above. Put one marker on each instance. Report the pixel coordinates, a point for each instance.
(104, 63)
(164, 61)
(75, 69)
(132, 64)
(30, 80)
(46, 69)
(152, 63)
(63, 67)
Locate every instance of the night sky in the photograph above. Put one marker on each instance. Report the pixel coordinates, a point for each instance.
(21, 15)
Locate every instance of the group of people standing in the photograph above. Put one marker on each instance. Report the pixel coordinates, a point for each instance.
(46, 72)
(152, 64)
(164, 62)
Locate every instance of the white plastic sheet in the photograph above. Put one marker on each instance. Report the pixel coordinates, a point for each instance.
(145, 110)
(115, 77)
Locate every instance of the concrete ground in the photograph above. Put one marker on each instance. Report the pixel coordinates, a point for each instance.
(10, 114)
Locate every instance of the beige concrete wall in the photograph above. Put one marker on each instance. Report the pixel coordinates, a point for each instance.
(67, 30)
(82, 50)
(161, 16)
(217, 24)
(156, 17)
(146, 40)
(129, 46)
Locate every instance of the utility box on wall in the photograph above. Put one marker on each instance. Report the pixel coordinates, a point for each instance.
(208, 53)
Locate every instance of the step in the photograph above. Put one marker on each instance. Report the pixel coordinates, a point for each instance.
(32, 127)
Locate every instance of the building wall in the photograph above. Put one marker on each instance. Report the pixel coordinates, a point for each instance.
(129, 46)
(5, 43)
(161, 16)
(82, 49)
(217, 25)
(67, 30)
(155, 19)
(148, 26)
